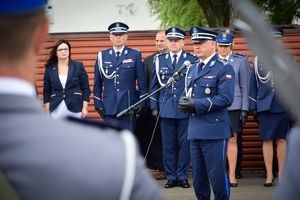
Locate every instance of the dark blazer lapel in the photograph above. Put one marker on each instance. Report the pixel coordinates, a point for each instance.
(55, 74)
(70, 73)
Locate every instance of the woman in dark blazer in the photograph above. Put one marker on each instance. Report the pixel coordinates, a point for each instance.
(66, 87)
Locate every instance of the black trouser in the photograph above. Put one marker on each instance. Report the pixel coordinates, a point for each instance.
(144, 129)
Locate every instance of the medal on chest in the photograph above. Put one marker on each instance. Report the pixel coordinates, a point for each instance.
(207, 91)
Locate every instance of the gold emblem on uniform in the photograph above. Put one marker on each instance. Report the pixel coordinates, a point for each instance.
(207, 91)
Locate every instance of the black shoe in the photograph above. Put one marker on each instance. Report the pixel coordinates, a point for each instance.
(233, 184)
(184, 184)
(171, 184)
(269, 184)
(238, 175)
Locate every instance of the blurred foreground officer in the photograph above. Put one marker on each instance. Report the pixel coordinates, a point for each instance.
(209, 92)
(238, 111)
(116, 71)
(269, 112)
(174, 124)
(288, 187)
(43, 158)
(145, 123)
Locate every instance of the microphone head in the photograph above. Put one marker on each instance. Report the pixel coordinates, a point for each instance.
(187, 63)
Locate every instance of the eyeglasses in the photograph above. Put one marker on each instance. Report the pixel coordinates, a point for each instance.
(63, 49)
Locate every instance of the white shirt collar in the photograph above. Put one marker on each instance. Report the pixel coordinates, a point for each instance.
(119, 50)
(178, 55)
(16, 86)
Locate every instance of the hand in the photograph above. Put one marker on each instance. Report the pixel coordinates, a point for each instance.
(139, 110)
(155, 113)
(187, 104)
(244, 116)
(101, 112)
(84, 112)
(255, 115)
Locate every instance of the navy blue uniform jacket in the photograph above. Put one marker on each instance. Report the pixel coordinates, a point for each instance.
(76, 91)
(213, 92)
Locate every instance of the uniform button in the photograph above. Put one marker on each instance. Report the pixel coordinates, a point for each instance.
(63, 91)
(207, 85)
(174, 88)
(117, 68)
(118, 82)
(193, 114)
(174, 95)
(195, 85)
(273, 90)
(117, 74)
(118, 90)
(217, 120)
(64, 96)
(193, 95)
(202, 112)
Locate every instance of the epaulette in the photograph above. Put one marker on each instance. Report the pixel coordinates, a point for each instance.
(240, 54)
(191, 54)
(162, 54)
(133, 48)
(98, 124)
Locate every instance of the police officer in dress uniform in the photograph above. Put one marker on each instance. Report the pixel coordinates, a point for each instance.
(244, 116)
(269, 112)
(209, 91)
(176, 155)
(238, 111)
(44, 158)
(116, 70)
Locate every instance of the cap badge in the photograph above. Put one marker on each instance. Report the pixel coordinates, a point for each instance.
(224, 35)
(195, 30)
(173, 30)
(227, 31)
(117, 25)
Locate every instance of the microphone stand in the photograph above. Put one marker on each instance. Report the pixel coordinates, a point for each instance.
(130, 110)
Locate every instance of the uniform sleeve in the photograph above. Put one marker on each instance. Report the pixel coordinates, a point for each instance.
(244, 78)
(47, 88)
(225, 92)
(154, 85)
(141, 79)
(97, 91)
(144, 186)
(288, 188)
(84, 83)
(253, 90)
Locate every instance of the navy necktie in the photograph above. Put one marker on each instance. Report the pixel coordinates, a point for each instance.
(118, 55)
(200, 67)
(174, 61)
(225, 60)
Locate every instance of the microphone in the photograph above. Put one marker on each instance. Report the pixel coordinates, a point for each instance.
(184, 65)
